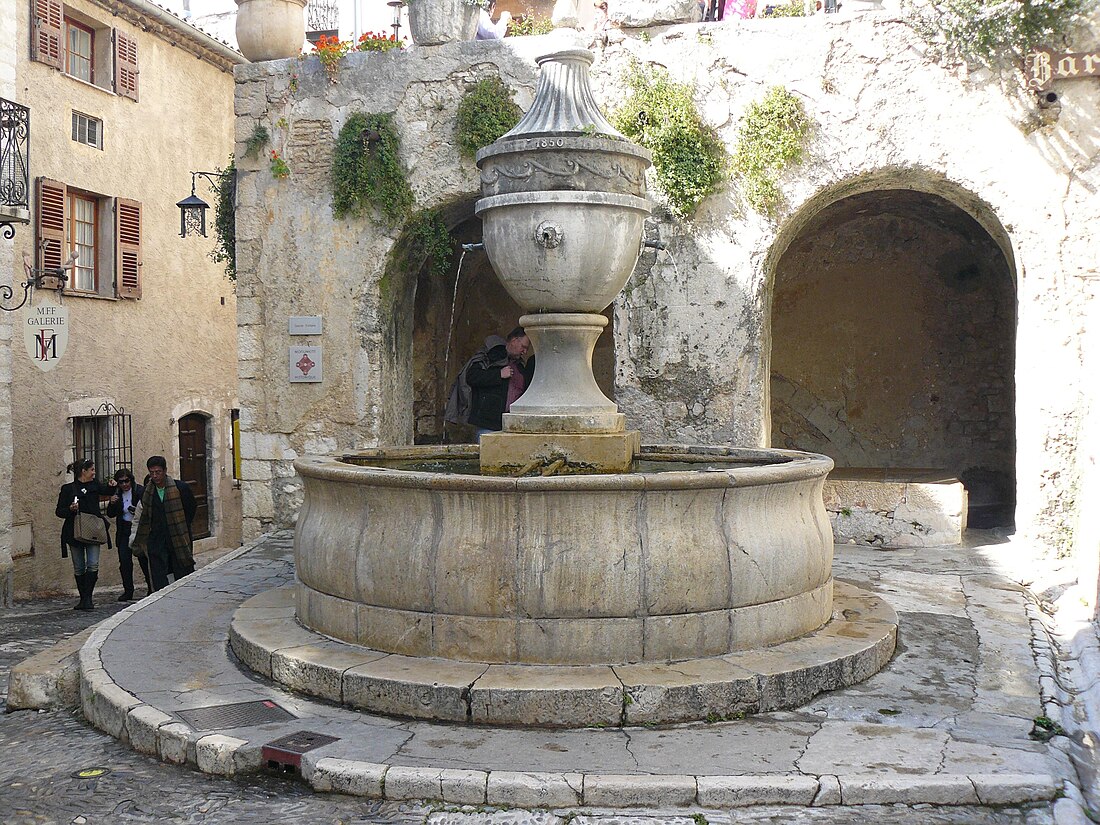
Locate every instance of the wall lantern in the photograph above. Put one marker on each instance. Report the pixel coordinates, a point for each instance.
(193, 208)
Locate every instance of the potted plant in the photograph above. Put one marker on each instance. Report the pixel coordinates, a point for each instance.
(433, 22)
(270, 29)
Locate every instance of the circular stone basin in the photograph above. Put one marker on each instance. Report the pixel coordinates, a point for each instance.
(408, 551)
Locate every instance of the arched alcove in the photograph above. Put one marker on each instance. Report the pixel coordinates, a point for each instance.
(452, 314)
(893, 339)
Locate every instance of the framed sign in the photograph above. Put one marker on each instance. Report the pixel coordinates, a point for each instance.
(305, 365)
(46, 334)
(305, 324)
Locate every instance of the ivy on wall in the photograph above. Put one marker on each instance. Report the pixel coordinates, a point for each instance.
(366, 170)
(430, 239)
(689, 157)
(770, 137)
(485, 112)
(987, 32)
(225, 220)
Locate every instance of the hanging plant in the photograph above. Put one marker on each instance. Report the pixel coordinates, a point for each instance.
(367, 172)
(225, 220)
(485, 112)
(330, 51)
(689, 158)
(279, 167)
(771, 137)
(430, 239)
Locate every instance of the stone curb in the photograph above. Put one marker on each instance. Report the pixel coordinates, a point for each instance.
(127, 718)
(557, 790)
(150, 730)
(265, 636)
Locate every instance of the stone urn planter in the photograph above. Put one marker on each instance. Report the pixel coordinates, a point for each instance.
(434, 22)
(270, 29)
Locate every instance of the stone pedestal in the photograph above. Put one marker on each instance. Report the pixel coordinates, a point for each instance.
(510, 453)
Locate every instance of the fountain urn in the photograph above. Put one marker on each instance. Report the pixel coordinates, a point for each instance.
(563, 210)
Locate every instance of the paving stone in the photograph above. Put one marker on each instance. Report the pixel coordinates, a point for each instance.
(534, 790)
(907, 790)
(175, 744)
(495, 818)
(1012, 789)
(828, 791)
(647, 791)
(142, 724)
(742, 791)
(345, 776)
(216, 754)
(533, 695)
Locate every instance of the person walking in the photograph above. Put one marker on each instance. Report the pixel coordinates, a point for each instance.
(82, 495)
(122, 507)
(163, 532)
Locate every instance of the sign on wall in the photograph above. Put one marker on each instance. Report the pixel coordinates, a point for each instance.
(305, 324)
(1044, 65)
(305, 365)
(46, 334)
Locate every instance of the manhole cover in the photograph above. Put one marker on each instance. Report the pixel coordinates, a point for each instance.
(237, 715)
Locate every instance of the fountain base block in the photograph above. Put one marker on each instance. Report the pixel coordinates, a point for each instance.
(509, 452)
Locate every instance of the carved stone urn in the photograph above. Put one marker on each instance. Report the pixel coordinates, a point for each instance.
(434, 22)
(563, 212)
(270, 29)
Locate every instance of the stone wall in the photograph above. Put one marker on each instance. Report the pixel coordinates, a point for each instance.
(693, 331)
(9, 274)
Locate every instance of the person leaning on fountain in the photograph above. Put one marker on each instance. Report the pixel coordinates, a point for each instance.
(490, 381)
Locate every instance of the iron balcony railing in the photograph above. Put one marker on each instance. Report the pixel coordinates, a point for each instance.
(15, 180)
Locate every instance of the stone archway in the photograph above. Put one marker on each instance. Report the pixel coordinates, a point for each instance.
(450, 324)
(893, 341)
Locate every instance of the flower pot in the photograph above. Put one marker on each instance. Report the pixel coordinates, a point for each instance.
(271, 29)
(433, 22)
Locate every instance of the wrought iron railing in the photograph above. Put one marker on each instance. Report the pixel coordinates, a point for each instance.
(15, 180)
(323, 17)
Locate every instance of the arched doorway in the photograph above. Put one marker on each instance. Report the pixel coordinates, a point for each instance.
(450, 325)
(893, 336)
(195, 468)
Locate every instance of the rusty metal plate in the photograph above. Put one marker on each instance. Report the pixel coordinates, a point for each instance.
(287, 750)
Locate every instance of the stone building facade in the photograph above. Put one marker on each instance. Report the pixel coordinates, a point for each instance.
(921, 301)
(125, 100)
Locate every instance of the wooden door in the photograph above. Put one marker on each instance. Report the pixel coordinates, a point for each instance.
(194, 470)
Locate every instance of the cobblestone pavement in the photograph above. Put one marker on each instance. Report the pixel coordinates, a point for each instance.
(45, 751)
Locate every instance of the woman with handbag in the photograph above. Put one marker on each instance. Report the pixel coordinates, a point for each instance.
(85, 528)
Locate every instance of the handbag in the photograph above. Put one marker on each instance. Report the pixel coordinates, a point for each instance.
(89, 529)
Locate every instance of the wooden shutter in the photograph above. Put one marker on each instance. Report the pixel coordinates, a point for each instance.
(128, 248)
(52, 246)
(47, 18)
(126, 66)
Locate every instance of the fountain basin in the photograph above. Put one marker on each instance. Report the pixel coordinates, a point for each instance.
(701, 552)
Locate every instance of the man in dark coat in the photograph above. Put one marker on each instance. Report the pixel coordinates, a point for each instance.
(164, 533)
(121, 506)
(494, 378)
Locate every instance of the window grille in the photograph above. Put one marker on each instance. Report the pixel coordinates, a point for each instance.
(105, 437)
(87, 130)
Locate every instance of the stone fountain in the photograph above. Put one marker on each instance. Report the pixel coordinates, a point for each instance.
(563, 574)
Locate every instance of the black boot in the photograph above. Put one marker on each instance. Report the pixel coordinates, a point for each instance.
(79, 589)
(127, 583)
(90, 579)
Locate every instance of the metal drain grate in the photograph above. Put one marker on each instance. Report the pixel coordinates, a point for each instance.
(286, 752)
(237, 715)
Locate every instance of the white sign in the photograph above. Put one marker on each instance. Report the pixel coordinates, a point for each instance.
(46, 334)
(305, 324)
(305, 365)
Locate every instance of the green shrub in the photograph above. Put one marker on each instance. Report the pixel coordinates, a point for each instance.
(366, 170)
(485, 113)
(529, 23)
(771, 137)
(689, 157)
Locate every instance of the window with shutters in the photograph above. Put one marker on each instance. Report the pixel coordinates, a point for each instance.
(79, 54)
(84, 48)
(104, 233)
(83, 229)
